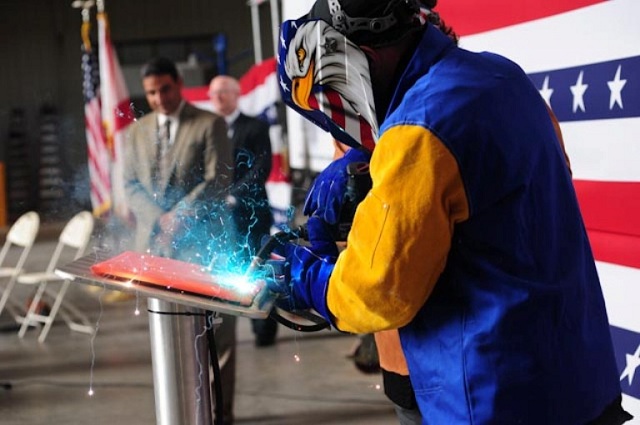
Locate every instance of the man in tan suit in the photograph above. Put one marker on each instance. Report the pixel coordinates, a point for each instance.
(178, 166)
(178, 172)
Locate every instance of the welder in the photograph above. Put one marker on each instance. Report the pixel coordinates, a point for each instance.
(470, 241)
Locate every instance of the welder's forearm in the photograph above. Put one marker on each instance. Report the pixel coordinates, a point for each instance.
(374, 285)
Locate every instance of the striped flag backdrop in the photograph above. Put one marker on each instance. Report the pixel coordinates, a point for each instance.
(584, 57)
(99, 158)
(116, 112)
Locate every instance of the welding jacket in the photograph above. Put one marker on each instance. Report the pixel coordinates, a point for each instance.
(472, 243)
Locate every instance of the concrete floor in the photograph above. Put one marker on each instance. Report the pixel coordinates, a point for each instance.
(50, 381)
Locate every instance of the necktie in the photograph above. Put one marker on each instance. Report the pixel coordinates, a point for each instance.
(167, 133)
(164, 136)
(230, 129)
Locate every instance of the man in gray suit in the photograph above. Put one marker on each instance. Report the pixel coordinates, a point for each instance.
(178, 167)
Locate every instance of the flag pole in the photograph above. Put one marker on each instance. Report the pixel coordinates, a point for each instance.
(86, 6)
(255, 25)
(97, 153)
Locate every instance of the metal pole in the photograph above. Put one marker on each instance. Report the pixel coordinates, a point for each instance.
(180, 364)
(255, 26)
(275, 24)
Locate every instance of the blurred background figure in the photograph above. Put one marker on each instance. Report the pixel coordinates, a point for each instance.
(247, 198)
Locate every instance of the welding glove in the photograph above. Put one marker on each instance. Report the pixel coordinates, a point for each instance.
(327, 195)
(305, 271)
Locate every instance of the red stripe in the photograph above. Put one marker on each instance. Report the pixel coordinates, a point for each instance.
(99, 170)
(366, 138)
(93, 122)
(614, 248)
(195, 94)
(278, 169)
(337, 109)
(313, 102)
(610, 206)
(257, 75)
(123, 115)
(611, 212)
(97, 154)
(100, 198)
(472, 16)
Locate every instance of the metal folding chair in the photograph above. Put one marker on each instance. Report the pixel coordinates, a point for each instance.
(75, 236)
(21, 235)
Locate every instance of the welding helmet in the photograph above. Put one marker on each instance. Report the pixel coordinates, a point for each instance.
(372, 23)
(325, 77)
(323, 73)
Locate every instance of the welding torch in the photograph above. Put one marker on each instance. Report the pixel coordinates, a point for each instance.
(358, 185)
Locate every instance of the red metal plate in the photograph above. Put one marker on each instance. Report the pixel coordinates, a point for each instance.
(175, 275)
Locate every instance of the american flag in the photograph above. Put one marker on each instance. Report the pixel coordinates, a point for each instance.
(116, 112)
(97, 150)
(584, 58)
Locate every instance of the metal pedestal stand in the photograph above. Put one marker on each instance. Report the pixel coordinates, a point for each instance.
(180, 364)
(178, 344)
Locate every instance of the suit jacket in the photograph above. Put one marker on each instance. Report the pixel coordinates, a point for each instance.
(199, 168)
(252, 154)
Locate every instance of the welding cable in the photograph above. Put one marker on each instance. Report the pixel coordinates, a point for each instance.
(319, 322)
(215, 365)
(262, 256)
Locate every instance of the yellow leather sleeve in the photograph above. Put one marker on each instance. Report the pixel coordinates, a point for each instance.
(401, 233)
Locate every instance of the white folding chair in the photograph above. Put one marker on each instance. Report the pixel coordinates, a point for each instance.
(21, 235)
(75, 236)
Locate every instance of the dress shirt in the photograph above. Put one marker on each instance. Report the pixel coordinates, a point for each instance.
(230, 119)
(175, 122)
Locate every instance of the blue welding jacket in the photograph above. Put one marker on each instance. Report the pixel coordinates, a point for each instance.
(507, 336)
(512, 328)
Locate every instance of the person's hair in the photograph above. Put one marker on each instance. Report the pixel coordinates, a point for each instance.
(435, 19)
(160, 66)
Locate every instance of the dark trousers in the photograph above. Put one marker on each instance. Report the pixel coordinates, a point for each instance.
(225, 336)
(265, 331)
